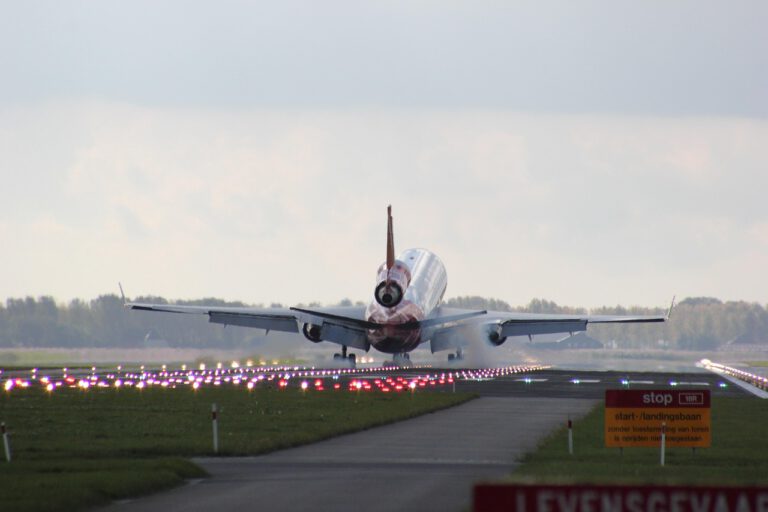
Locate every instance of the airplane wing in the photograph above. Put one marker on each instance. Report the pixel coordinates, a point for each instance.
(345, 330)
(530, 324)
(271, 319)
(498, 325)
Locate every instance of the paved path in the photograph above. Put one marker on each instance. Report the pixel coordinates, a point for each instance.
(427, 463)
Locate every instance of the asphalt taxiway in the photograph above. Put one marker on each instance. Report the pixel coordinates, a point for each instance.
(426, 463)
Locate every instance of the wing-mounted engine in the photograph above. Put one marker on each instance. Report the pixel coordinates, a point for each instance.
(312, 332)
(334, 328)
(493, 334)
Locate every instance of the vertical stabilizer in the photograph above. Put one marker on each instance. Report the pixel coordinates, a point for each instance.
(390, 240)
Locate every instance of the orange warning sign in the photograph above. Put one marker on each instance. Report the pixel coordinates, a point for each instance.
(635, 418)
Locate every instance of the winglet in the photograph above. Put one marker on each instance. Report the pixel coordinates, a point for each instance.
(390, 240)
(671, 307)
(122, 293)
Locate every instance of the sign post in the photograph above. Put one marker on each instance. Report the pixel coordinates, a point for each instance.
(650, 418)
(215, 420)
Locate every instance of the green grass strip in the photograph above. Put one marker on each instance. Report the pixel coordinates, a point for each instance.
(737, 456)
(74, 449)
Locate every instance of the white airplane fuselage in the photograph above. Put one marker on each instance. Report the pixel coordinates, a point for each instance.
(422, 280)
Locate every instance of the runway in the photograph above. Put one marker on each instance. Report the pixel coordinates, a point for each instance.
(427, 463)
(592, 384)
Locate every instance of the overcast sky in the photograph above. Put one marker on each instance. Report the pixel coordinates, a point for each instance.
(586, 152)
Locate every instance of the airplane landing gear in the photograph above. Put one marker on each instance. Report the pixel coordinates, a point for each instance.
(458, 356)
(402, 360)
(351, 359)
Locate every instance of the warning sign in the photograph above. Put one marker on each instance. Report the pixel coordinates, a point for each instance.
(635, 418)
(610, 498)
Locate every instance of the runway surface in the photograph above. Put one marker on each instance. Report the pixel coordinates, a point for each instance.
(592, 384)
(427, 463)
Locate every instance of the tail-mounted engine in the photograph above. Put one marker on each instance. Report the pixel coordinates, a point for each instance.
(312, 332)
(494, 335)
(392, 284)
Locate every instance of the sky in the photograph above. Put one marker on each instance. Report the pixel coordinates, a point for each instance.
(591, 153)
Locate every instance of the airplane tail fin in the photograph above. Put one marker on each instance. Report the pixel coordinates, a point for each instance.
(390, 240)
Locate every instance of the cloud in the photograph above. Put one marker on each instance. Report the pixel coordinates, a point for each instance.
(288, 205)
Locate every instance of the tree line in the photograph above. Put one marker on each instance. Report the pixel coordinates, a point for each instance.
(700, 323)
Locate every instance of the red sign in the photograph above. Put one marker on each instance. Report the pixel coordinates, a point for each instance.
(606, 498)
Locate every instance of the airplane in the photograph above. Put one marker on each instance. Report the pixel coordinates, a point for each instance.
(406, 312)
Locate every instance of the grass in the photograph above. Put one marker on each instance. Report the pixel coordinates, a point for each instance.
(756, 364)
(737, 455)
(76, 448)
(58, 484)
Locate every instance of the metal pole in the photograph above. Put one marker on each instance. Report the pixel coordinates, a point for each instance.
(215, 429)
(663, 440)
(6, 444)
(570, 437)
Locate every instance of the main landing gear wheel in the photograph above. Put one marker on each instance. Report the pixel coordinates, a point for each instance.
(458, 356)
(350, 359)
(402, 360)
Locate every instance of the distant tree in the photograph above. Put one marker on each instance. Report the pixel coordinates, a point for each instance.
(698, 301)
(476, 302)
